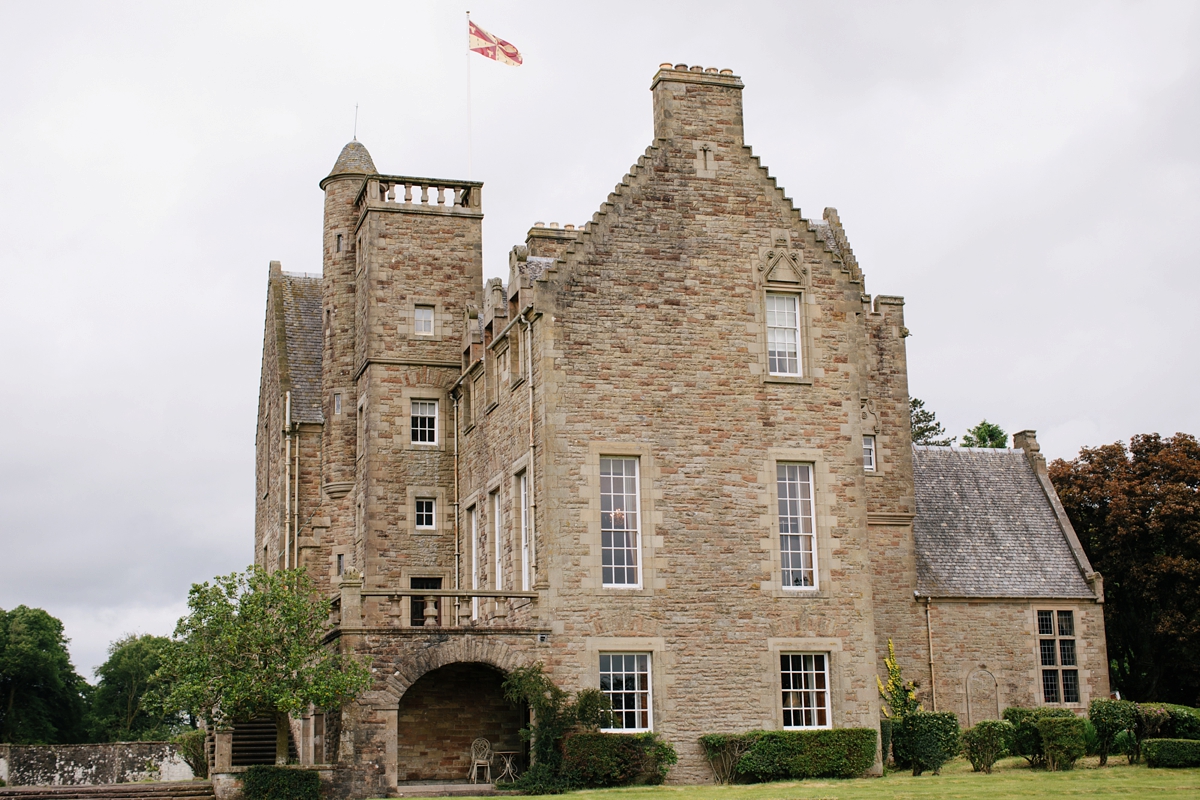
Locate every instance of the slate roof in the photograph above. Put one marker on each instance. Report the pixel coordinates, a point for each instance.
(300, 296)
(985, 528)
(354, 158)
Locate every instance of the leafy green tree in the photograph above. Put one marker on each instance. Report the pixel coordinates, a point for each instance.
(118, 711)
(1136, 510)
(42, 699)
(925, 427)
(252, 646)
(985, 434)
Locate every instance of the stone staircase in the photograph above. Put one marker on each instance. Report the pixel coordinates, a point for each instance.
(166, 790)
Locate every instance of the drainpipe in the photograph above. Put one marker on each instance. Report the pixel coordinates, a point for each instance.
(527, 324)
(457, 532)
(296, 503)
(929, 633)
(287, 479)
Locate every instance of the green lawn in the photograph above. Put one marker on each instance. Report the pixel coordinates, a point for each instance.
(1011, 778)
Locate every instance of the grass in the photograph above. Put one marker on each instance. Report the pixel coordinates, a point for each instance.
(1010, 778)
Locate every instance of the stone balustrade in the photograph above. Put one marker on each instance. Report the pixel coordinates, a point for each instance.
(399, 192)
(458, 613)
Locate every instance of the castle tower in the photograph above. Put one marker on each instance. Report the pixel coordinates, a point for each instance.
(403, 294)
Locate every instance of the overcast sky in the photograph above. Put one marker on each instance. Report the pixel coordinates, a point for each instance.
(1027, 176)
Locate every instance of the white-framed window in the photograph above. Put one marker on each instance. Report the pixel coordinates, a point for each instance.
(797, 528)
(424, 421)
(619, 522)
(423, 320)
(523, 491)
(783, 334)
(625, 680)
(1059, 660)
(495, 498)
(473, 527)
(869, 453)
(804, 678)
(425, 511)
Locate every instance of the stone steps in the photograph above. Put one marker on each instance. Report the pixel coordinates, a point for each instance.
(166, 790)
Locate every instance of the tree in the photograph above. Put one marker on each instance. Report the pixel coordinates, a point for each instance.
(1137, 514)
(41, 697)
(985, 434)
(118, 711)
(252, 646)
(899, 696)
(925, 427)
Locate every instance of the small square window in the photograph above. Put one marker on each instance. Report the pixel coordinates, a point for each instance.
(425, 513)
(423, 320)
(424, 421)
(869, 453)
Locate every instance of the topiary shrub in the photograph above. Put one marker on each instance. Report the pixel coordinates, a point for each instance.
(597, 760)
(1110, 718)
(1026, 741)
(1172, 753)
(1148, 720)
(931, 738)
(1063, 741)
(885, 739)
(986, 743)
(280, 783)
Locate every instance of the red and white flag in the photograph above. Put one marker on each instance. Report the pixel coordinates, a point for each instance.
(495, 48)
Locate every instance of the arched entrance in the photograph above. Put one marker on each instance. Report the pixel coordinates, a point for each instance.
(443, 712)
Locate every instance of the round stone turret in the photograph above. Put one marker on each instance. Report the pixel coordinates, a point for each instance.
(353, 160)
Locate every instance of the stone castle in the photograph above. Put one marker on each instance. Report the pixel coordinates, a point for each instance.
(670, 457)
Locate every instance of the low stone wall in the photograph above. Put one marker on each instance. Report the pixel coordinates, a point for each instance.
(91, 764)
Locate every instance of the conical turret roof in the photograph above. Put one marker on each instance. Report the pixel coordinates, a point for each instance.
(354, 160)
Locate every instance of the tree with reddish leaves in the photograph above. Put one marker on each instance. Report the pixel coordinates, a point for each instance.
(1137, 512)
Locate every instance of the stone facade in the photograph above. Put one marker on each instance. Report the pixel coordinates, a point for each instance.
(447, 473)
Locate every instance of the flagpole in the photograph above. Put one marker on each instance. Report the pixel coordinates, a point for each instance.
(468, 95)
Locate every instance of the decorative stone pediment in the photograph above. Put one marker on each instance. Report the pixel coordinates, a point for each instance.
(784, 267)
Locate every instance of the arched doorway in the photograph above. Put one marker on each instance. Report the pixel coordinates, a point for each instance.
(443, 712)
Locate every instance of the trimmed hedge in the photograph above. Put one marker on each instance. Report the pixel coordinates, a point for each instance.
(986, 743)
(1063, 741)
(1026, 740)
(1184, 724)
(779, 755)
(931, 738)
(280, 783)
(597, 760)
(1172, 753)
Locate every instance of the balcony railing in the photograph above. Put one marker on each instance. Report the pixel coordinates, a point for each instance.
(460, 613)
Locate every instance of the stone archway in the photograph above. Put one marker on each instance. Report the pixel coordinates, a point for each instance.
(445, 696)
(443, 712)
(983, 696)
